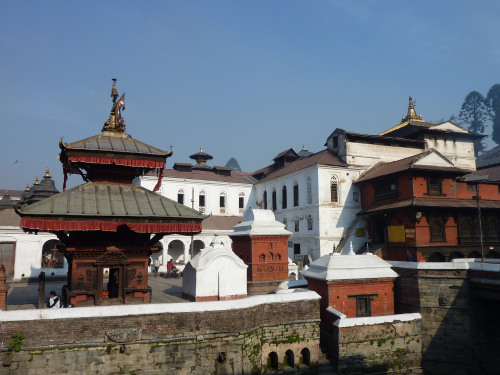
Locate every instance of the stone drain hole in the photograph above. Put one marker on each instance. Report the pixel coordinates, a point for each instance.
(221, 358)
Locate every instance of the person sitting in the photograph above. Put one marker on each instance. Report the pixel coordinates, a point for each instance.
(54, 302)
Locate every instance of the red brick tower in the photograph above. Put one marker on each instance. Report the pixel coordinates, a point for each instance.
(262, 243)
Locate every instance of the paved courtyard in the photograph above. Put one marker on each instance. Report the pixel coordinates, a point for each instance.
(23, 295)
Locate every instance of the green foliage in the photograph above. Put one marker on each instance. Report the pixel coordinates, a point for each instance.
(493, 103)
(474, 113)
(17, 341)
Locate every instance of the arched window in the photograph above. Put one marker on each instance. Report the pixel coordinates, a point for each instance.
(272, 361)
(309, 222)
(295, 194)
(222, 202)
(264, 198)
(180, 196)
(274, 200)
(309, 190)
(241, 202)
(305, 357)
(283, 197)
(290, 360)
(334, 193)
(51, 254)
(262, 257)
(201, 201)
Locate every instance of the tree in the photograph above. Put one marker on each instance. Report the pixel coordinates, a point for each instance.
(493, 103)
(474, 113)
(233, 164)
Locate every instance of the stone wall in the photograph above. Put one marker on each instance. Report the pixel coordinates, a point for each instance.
(459, 329)
(376, 344)
(230, 337)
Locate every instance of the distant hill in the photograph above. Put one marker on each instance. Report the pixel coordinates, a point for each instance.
(233, 164)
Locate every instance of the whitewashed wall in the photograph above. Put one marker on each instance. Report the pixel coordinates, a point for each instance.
(28, 253)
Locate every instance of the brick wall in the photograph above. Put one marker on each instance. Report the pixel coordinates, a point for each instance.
(174, 343)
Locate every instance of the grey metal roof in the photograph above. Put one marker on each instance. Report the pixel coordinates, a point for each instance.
(103, 200)
(114, 142)
(489, 158)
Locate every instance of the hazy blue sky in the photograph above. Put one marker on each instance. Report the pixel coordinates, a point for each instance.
(243, 79)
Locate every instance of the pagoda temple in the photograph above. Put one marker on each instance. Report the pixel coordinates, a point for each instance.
(109, 226)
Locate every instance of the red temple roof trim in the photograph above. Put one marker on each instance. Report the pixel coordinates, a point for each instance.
(117, 161)
(30, 223)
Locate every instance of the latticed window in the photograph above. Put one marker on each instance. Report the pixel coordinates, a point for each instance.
(309, 222)
(201, 201)
(434, 186)
(222, 202)
(295, 195)
(284, 198)
(309, 190)
(437, 229)
(334, 193)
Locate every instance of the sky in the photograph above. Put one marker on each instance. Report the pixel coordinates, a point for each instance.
(243, 79)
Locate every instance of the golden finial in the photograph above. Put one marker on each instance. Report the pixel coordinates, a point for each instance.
(201, 149)
(37, 181)
(114, 91)
(303, 147)
(27, 187)
(47, 173)
(6, 192)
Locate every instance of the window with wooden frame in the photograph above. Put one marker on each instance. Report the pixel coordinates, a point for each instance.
(201, 201)
(180, 196)
(363, 304)
(295, 195)
(434, 186)
(386, 189)
(222, 202)
(273, 199)
(283, 197)
(437, 229)
(241, 202)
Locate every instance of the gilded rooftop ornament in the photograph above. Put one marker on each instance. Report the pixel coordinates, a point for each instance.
(37, 181)
(115, 123)
(47, 173)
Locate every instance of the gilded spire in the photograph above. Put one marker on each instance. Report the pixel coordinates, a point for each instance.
(411, 114)
(115, 123)
(37, 181)
(27, 187)
(201, 149)
(114, 91)
(47, 173)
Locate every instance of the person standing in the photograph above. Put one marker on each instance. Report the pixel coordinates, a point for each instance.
(54, 302)
(157, 266)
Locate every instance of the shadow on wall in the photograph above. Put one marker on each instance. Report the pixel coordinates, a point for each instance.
(460, 330)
